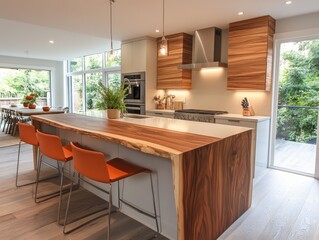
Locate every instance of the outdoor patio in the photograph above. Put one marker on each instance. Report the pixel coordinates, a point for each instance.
(295, 156)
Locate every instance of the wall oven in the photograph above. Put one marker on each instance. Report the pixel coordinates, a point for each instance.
(135, 108)
(135, 99)
(136, 87)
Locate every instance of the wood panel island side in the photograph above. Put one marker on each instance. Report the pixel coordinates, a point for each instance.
(209, 174)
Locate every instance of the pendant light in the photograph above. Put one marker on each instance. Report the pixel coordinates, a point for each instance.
(164, 45)
(111, 53)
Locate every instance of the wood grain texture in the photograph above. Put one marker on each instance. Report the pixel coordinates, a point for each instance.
(155, 141)
(179, 52)
(212, 177)
(217, 186)
(250, 53)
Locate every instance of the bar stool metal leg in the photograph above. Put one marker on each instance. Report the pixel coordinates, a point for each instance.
(109, 215)
(17, 172)
(38, 199)
(155, 213)
(61, 191)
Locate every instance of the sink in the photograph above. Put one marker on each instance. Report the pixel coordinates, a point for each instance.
(136, 116)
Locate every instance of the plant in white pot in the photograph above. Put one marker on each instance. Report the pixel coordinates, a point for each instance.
(112, 99)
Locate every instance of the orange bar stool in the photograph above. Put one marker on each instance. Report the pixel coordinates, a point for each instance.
(93, 165)
(27, 135)
(51, 146)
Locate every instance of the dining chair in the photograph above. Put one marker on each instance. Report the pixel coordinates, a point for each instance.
(93, 166)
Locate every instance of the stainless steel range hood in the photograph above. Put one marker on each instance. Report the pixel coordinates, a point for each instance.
(207, 50)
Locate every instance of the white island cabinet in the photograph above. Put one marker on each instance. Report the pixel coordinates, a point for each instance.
(260, 134)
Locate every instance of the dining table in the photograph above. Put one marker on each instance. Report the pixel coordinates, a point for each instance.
(25, 111)
(20, 112)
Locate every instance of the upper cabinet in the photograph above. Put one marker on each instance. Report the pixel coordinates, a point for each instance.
(250, 54)
(136, 54)
(179, 52)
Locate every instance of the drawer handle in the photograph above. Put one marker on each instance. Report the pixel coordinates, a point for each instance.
(236, 121)
(159, 113)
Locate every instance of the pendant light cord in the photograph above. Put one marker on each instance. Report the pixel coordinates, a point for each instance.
(163, 15)
(111, 25)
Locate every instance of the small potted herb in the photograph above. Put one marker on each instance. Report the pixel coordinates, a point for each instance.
(112, 99)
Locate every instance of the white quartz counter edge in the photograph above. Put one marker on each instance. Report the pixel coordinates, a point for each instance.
(240, 117)
(201, 128)
(161, 111)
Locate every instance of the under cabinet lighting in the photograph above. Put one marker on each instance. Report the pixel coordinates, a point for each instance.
(157, 30)
(240, 13)
(51, 41)
(288, 2)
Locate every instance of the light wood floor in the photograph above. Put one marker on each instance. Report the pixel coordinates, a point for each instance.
(21, 218)
(285, 206)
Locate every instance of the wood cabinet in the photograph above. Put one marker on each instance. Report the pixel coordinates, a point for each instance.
(250, 54)
(179, 52)
(260, 134)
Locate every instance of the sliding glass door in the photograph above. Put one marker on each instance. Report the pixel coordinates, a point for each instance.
(295, 128)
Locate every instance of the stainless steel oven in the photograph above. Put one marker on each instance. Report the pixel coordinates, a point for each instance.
(135, 108)
(136, 87)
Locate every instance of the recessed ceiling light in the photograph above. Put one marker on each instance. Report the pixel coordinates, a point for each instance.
(240, 13)
(288, 2)
(51, 41)
(156, 30)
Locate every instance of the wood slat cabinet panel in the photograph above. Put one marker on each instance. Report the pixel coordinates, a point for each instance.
(179, 52)
(250, 49)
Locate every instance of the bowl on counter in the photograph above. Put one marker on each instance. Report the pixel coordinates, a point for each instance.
(46, 108)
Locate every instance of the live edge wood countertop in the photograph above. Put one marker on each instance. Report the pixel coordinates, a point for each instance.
(211, 164)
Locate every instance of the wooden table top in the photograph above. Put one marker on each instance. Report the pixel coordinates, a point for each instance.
(23, 111)
(153, 140)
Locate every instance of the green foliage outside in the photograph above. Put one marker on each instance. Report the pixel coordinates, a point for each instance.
(16, 83)
(92, 81)
(299, 86)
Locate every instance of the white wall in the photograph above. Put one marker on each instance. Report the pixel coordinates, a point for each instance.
(209, 87)
(57, 74)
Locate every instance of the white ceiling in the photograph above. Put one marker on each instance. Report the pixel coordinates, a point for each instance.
(81, 27)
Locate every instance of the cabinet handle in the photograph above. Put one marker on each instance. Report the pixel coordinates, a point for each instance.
(159, 113)
(236, 121)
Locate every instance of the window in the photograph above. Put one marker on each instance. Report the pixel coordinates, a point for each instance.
(114, 79)
(93, 61)
(91, 83)
(76, 65)
(84, 73)
(77, 94)
(116, 61)
(16, 83)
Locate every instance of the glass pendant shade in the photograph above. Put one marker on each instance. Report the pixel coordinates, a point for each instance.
(163, 47)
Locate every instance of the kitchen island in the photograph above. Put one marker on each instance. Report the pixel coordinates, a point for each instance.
(204, 170)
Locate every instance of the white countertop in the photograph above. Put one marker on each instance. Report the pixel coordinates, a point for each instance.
(233, 116)
(201, 128)
(161, 111)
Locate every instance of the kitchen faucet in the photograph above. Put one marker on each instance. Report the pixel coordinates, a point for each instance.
(129, 85)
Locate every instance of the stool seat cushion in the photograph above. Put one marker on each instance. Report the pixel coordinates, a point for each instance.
(119, 169)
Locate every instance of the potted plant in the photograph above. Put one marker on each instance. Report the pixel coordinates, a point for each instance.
(112, 99)
(29, 101)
